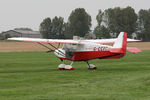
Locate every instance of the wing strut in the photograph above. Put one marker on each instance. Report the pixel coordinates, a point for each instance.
(58, 45)
(50, 50)
(53, 46)
(56, 48)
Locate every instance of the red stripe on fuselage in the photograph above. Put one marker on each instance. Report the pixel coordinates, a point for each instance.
(87, 55)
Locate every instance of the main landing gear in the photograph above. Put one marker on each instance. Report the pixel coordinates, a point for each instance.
(65, 67)
(91, 66)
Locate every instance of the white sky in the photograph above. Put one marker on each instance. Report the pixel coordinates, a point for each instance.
(30, 13)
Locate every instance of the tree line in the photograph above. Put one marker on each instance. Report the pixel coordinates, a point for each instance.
(112, 20)
(79, 23)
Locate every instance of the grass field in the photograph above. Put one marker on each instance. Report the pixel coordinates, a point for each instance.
(34, 76)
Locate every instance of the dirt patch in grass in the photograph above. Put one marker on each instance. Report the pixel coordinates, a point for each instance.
(10, 46)
(21, 46)
(140, 45)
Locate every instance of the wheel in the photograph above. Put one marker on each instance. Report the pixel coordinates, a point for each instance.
(68, 67)
(61, 66)
(91, 66)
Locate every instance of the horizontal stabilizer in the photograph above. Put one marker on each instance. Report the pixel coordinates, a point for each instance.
(134, 50)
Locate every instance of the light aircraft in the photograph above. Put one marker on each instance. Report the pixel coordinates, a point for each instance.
(85, 50)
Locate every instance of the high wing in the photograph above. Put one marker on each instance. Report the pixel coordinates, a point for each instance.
(109, 41)
(46, 40)
(98, 41)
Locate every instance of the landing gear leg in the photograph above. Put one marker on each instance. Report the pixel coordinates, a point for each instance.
(91, 66)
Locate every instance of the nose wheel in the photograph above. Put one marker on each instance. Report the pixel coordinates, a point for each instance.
(65, 67)
(61, 66)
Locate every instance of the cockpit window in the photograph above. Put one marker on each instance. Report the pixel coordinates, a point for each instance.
(69, 49)
(70, 46)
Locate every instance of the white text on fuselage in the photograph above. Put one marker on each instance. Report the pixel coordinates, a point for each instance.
(100, 49)
(97, 48)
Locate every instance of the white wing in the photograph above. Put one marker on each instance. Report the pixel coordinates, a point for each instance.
(46, 40)
(98, 41)
(108, 41)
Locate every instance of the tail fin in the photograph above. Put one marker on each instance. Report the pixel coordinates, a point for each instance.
(120, 44)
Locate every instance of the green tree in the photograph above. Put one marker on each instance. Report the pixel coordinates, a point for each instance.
(79, 23)
(102, 32)
(99, 17)
(129, 19)
(45, 28)
(58, 27)
(144, 24)
(120, 19)
(53, 29)
(110, 19)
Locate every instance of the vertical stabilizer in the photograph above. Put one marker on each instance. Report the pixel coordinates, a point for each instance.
(120, 44)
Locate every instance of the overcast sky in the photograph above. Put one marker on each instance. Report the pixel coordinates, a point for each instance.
(30, 13)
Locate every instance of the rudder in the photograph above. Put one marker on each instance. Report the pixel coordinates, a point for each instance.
(120, 44)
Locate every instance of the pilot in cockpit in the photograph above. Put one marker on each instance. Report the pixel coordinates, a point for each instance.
(69, 49)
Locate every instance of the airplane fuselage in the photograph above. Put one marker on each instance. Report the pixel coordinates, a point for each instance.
(86, 52)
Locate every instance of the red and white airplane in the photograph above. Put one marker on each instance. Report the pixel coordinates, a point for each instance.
(85, 50)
